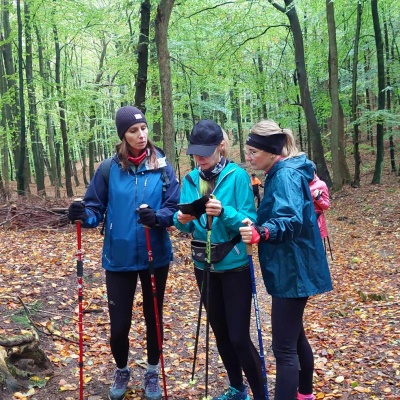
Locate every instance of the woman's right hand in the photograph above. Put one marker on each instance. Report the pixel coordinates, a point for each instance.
(184, 218)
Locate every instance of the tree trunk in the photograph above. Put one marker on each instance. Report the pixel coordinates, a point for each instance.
(61, 111)
(356, 135)
(38, 159)
(337, 180)
(12, 112)
(21, 178)
(44, 70)
(3, 142)
(93, 118)
(389, 94)
(161, 28)
(143, 56)
(377, 178)
(315, 134)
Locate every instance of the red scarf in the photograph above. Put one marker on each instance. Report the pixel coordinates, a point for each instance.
(137, 160)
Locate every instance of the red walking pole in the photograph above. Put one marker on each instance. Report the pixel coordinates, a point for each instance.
(79, 273)
(154, 290)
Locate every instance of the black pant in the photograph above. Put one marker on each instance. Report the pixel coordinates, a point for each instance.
(230, 296)
(121, 287)
(291, 348)
(257, 195)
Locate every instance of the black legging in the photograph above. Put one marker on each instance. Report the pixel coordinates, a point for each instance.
(121, 287)
(291, 348)
(229, 315)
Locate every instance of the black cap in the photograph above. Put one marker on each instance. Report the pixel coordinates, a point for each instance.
(205, 137)
(126, 117)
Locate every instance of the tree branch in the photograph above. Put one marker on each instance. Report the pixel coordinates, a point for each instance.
(210, 8)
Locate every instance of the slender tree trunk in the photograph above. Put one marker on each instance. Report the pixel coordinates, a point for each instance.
(389, 94)
(3, 138)
(356, 134)
(334, 94)
(143, 56)
(93, 109)
(238, 113)
(377, 178)
(44, 70)
(38, 159)
(315, 134)
(61, 111)
(21, 178)
(12, 111)
(164, 10)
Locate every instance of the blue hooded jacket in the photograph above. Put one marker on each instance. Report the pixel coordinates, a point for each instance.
(124, 247)
(292, 260)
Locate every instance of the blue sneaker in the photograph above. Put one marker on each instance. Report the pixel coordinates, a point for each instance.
(233, 394)
(151, 387)
(118, 388)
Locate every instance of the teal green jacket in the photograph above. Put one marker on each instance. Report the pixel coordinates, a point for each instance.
(233, 190)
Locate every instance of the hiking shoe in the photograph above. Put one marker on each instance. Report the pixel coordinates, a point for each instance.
(305, 396)
(118, 388)
(233, 394)
(151, 387)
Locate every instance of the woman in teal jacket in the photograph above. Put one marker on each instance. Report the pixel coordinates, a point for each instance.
(291, 252)
(230, 284)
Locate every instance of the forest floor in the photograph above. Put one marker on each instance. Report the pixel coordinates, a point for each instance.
(354, 330)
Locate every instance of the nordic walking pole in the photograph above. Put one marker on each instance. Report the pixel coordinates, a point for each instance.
(154, 290)
(79, 273)
(330, 248)
(249, 250)
(196, 342)
(206, 276)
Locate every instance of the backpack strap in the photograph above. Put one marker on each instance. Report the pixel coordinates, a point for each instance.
(105, 169)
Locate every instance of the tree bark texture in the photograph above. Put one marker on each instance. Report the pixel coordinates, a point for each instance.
(164, 10)
(377, 178)
(143, 56)
(315, 134)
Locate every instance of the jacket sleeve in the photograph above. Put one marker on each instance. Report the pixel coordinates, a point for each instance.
(323, 202)
(286, 219)
(96, 199)
(244, 206)
(170, 200)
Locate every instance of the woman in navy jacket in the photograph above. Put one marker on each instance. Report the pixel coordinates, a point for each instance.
(291, 252)
(138, 174)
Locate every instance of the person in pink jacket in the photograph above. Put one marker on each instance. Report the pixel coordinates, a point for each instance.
(320, 194)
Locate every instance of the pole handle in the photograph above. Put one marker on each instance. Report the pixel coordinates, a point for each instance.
(249, 249)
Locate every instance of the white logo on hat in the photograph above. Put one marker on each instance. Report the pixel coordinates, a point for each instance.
(138, 116)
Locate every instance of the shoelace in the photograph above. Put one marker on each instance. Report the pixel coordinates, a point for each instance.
(120, 379)
(151, 382)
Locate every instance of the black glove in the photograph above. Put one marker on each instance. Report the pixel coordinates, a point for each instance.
(77, 212)
(148, 217)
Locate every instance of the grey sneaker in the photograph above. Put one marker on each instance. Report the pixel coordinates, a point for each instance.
(151, 387)
(233, 394)
(118, 388)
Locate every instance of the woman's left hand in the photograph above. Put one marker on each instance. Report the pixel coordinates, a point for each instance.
(213, 207)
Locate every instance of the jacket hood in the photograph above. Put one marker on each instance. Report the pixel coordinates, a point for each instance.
(299, 163)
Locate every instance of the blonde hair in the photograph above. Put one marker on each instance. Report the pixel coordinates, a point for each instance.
(225, 145)
(269, 127)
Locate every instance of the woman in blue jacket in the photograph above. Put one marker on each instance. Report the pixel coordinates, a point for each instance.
(231, 199)
(138, 174)
(291, 252)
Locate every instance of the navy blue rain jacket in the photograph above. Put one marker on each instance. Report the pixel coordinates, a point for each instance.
(292, 260)
(124, 247)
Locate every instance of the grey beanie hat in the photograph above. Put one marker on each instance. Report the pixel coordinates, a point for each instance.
(126, 117)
